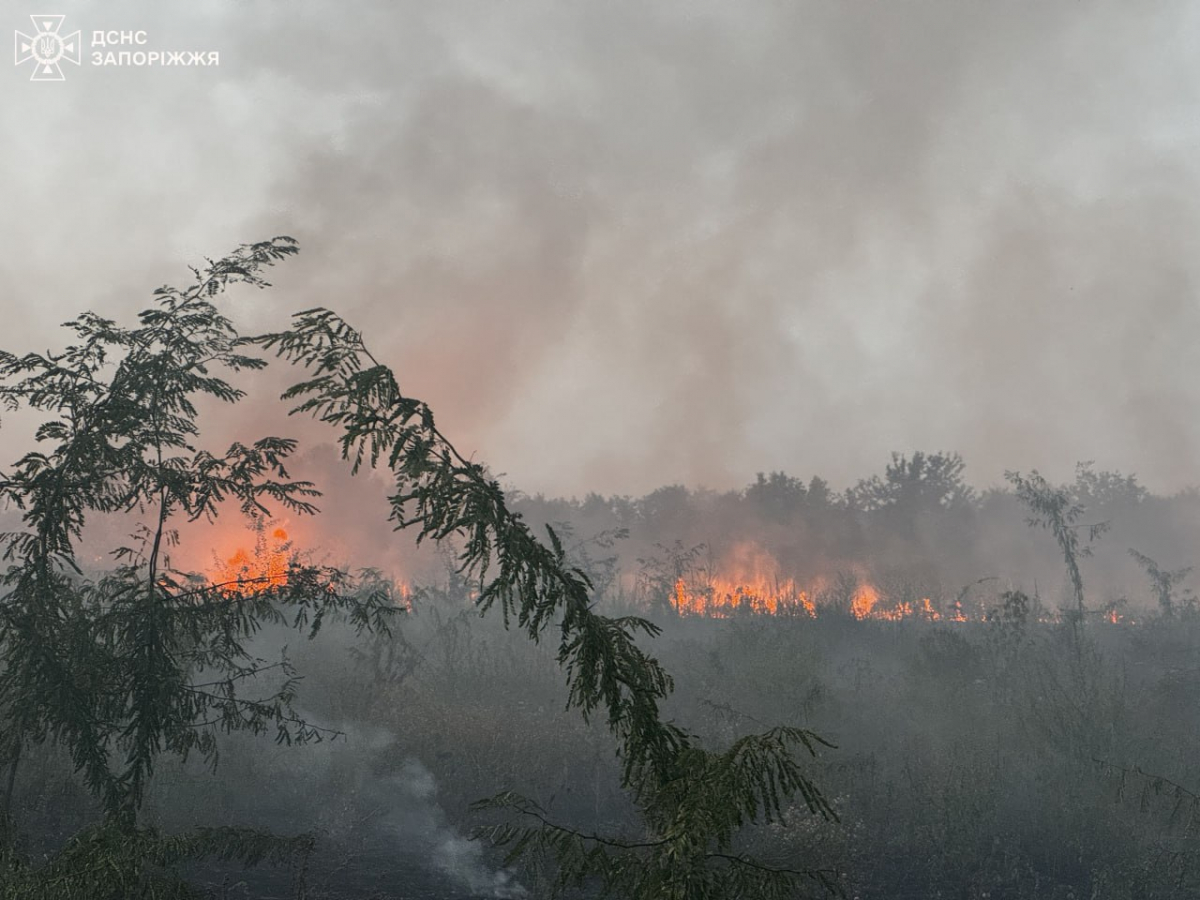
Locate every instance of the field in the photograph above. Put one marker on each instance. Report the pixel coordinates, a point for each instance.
(972, 759)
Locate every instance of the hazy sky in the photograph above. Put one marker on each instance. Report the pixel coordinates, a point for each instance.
(623, 244)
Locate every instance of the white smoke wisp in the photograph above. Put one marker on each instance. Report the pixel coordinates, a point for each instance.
(416, 818)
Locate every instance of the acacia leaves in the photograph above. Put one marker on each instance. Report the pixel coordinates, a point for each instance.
(693, 800)
(444, 495)
(144, 660)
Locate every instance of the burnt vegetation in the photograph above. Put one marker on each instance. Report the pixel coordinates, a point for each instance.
(899, 690)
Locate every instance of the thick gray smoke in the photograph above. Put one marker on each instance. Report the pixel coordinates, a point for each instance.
(620, 245)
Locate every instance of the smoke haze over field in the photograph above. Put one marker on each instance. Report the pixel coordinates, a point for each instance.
(621, 245)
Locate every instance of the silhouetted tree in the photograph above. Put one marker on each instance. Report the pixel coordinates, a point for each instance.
(144, 661)
(1162, 581)
(661, 574)
(693, 800)
(819, 496)
(777, 497)
(1054, 509)
(1105, 492)
(925, 483)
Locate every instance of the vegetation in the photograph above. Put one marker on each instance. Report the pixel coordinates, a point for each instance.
(990, 746)
(1164, 582)
(971, 757)
(1056, 510)
(142, 662)
(693, 800)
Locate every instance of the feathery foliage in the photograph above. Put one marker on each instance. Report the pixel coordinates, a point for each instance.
(693, 800)
(1163, 581)
(144, 660)
(1055, 510)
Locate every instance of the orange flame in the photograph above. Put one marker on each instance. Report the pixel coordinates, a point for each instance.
(866, 598)
(723, 597)
(265, 567)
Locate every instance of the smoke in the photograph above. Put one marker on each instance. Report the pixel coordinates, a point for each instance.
(619, 245)
(418, 822)
(390, 808)
(374, 811)
(399, 805)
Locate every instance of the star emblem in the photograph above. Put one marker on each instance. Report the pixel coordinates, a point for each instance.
(48, 48)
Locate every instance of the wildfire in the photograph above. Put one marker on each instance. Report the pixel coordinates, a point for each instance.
(866, 599)
(266, 564)
(721, 598)
(751, 586)
(248, 572)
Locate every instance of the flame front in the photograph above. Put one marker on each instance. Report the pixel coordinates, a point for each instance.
(722, 597)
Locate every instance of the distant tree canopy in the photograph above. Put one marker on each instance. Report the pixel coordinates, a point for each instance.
(913, 486)
(781, 498)
(777, 496)
(918, 524)
(1103, 492)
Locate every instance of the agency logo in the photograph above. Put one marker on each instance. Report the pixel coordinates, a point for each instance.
(48, 48)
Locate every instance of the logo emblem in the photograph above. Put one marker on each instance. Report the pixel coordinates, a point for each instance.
(47, 48)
